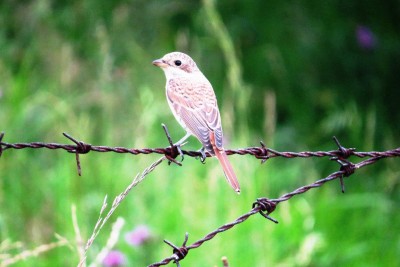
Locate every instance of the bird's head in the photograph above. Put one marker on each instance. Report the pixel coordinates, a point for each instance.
(176, 63)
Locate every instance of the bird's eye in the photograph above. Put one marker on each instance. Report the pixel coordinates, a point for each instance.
(178, 62)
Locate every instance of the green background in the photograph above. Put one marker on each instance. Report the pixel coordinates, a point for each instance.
(289, 73)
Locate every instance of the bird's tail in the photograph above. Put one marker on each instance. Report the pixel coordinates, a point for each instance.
(228, 170)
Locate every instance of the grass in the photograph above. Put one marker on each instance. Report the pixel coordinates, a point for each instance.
(66, 69)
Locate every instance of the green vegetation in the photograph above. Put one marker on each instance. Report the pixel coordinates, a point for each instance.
(291, 74)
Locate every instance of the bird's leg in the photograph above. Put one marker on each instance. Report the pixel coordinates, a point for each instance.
(183, 139)
(203, 156)
(179, 143)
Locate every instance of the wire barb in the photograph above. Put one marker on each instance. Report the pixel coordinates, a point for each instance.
(344, 153)
(179, 252)
(81, 148)
(266, 207)
(173, 151)
(347, 168)
(263, 154)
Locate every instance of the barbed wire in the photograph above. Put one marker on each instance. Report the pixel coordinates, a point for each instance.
(262, 152)
(263, 206)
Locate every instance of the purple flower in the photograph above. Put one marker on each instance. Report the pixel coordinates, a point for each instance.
(138, 236)
(365, 37)
(114, 259)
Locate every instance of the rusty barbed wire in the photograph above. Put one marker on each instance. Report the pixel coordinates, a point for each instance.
(263, 206)
(262, 152)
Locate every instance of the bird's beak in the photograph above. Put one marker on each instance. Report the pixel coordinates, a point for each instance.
(160, 63)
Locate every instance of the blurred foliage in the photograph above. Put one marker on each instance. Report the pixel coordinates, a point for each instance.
(293, 74)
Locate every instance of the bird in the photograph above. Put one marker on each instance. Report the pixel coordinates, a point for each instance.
(193, 102)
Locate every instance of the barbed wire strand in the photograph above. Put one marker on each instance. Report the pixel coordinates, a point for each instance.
(173, 151)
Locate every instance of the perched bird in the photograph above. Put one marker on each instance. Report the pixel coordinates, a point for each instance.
(194, 105)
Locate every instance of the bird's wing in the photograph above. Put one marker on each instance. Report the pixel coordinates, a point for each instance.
(195, 105)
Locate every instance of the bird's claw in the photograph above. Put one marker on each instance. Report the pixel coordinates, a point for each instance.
(203, 155)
